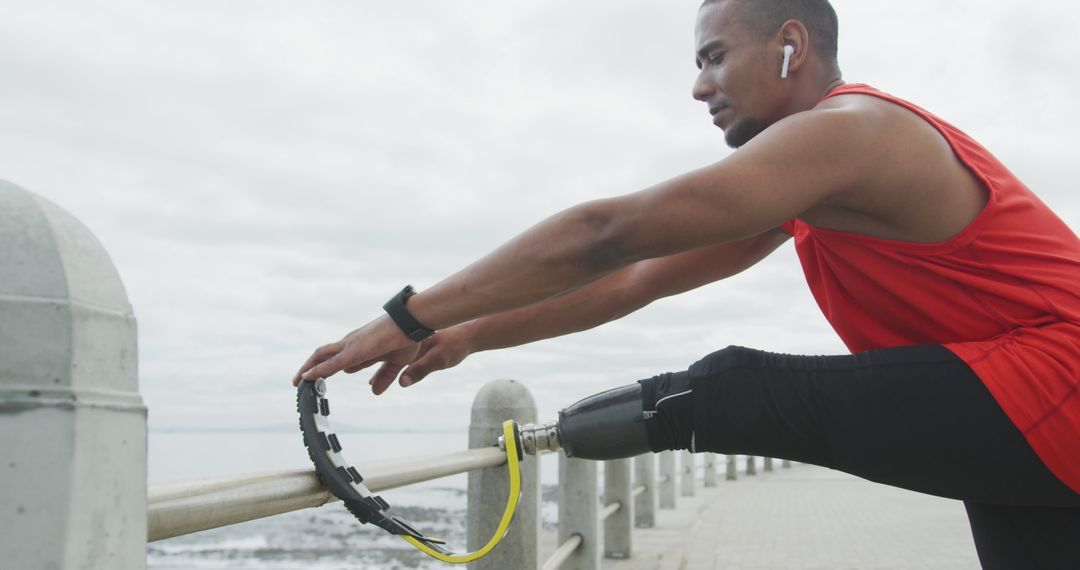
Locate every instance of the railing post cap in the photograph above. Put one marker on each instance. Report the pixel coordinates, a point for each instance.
(58, 288)
(502, 395)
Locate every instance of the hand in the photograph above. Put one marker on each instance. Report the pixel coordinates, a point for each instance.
(378, 341)
(445, 350)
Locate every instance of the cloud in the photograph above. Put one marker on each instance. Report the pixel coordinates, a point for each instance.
(265, 175)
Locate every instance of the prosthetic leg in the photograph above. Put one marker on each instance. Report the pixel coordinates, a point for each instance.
(618, 423)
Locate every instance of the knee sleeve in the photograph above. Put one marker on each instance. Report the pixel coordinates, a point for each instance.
(675, 403)
(668, 409)
(652, 415)
(656, 414)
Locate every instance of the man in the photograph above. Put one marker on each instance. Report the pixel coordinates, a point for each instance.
(957, 290)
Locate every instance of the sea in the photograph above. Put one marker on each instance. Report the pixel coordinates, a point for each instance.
(327, 537)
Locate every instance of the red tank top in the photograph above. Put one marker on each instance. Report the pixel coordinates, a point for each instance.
(1003, 295)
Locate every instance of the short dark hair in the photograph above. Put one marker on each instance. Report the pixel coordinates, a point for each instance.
(766, 16)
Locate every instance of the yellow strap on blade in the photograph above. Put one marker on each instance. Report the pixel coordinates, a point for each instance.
(512, 462)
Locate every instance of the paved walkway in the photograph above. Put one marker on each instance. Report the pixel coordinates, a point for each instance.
(805, 517)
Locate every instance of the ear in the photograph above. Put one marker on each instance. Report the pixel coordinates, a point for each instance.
(793, 33)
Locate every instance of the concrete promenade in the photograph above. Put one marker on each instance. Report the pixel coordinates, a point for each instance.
(805, 517)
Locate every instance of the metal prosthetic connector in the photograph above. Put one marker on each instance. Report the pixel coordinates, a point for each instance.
(536, 438)
(608, 425)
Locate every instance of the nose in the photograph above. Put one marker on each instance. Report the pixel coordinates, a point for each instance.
(702, 88)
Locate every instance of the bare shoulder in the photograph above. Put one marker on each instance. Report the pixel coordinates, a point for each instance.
(869, 115)
(853, 164)
(843, 134)
(875, 126)
(912, 187)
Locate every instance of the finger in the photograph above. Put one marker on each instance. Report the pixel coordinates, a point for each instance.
(327, 368)
(320, 354)
(384, 377)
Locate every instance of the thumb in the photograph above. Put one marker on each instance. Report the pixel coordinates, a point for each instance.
(419, 369)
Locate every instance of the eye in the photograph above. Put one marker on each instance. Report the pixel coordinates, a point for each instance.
(716, 58)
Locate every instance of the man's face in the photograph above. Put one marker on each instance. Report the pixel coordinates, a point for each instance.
(735, 78)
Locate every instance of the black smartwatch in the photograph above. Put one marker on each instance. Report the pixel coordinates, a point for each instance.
(408, 324)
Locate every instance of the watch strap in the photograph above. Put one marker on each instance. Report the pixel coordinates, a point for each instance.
(401, 316)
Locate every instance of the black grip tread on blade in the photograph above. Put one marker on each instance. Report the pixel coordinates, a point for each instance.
(338, 479)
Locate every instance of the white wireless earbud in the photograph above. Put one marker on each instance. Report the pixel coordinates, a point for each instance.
(788, 52)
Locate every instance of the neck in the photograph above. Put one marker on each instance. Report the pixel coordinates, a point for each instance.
(813, 86)
(832, 83)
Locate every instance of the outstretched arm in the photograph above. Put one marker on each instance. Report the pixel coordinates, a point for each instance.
(604, 300)
(621, 293)
(797, 164)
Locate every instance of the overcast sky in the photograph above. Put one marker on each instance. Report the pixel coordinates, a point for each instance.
(266, 174)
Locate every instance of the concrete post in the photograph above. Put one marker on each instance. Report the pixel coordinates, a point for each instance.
(579, 512)
(495, 403)
(710, 469)
(786, 464)
(619, 527)
(645, 503)
(751, 465)
(688, 474)
(732, 471)
(768, 464)
(667, 488)
(72, 423)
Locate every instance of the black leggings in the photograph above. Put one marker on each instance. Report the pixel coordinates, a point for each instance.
(911, 417)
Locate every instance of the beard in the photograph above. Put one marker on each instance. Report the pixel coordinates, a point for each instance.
(742, 130)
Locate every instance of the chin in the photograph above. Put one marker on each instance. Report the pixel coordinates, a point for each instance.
(742, 131)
